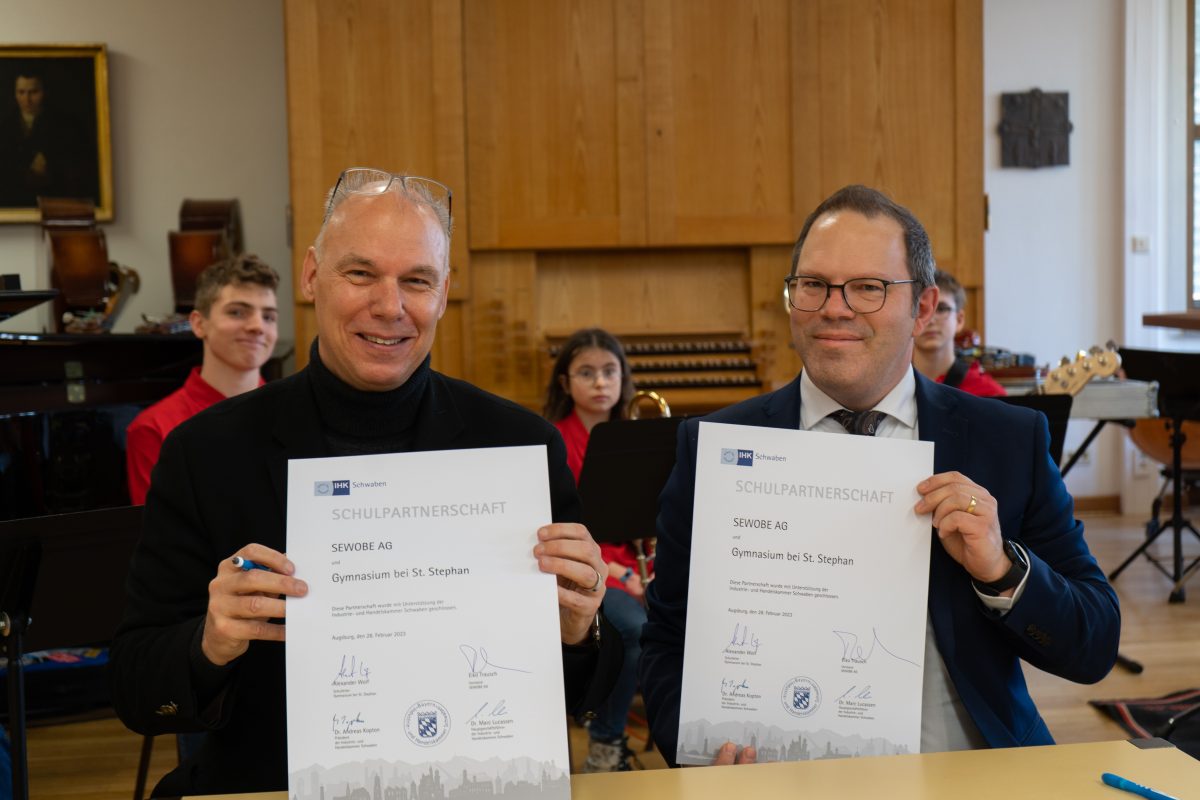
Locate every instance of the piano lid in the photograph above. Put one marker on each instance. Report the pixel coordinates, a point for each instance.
(55, 371)
(14, 302)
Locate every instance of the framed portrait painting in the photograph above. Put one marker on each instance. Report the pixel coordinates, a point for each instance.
(54, 134)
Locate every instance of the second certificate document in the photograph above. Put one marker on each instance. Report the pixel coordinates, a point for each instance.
(809, 636)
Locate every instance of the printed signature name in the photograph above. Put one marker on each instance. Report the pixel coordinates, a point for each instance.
(489, 711)
(343, 723)
(351, 667)
(742, 638)
(863, 694)
(852, 651)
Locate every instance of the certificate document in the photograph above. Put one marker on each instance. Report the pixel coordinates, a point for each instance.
(425, 660)
(808, 637)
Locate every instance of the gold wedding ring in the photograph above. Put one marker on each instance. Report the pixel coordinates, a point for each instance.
(971, 505)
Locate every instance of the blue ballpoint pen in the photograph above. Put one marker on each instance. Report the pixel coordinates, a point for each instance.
(247, 564)
(1117, 782)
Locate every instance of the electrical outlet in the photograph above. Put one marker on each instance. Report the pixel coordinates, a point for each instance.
(1085, 458)
(1140, 244)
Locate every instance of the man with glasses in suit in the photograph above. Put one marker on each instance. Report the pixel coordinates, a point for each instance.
(1010, 575)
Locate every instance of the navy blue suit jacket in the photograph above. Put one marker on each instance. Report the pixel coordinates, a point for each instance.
(1067, 621)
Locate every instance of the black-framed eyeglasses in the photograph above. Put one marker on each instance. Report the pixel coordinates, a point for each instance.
(862, 295)
(366, 180)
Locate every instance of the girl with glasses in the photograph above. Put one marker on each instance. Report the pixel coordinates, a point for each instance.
(590, 383)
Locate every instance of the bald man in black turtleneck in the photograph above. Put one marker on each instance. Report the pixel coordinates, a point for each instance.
(197, 649)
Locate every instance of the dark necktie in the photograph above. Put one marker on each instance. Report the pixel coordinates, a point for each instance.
(860, 423)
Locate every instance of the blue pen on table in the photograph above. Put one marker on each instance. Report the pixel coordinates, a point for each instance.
(1117, 782)
(247, 565)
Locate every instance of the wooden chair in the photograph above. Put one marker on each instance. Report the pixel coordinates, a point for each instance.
(191, 252)
(88, 282)
(67, 213)
(207, 215)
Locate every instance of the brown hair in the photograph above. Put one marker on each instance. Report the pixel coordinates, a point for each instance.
(948, 284)
(870, 203)
(242, 268)
(558, 400)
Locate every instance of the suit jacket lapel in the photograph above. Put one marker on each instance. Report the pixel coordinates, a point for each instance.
(782, 409)
(940, 422)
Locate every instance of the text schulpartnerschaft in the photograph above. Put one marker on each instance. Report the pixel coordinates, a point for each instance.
(847, 494)
(483, 509)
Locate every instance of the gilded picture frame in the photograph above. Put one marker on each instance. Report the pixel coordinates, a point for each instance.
(54, 128)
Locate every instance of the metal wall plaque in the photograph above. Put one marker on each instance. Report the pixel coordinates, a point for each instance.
(1034, 129)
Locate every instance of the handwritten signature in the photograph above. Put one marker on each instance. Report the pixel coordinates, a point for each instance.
(345, 724)
(852, 651)
(742, 637)
(355, 669)
(497, 710)
(734, 688)
(863, 694)
(477, 660)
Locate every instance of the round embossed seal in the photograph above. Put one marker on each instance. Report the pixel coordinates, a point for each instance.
(801, 696)
(427, 723)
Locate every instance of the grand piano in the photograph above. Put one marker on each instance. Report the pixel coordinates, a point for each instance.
(65, 400)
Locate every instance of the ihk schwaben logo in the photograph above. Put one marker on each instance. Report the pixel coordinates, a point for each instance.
(743, 458)
(331, 488)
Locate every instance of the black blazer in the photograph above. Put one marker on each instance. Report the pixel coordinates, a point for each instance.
(220, 483)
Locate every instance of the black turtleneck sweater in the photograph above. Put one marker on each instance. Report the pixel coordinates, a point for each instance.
(358, 423)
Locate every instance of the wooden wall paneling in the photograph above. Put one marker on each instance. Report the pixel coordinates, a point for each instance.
(306, 331)
(887, 104)
(503, 315)
(374, 83)
(546, 124)
(771, 334)
(631, 120)
(721, 166)
(450, 345)
(643, 292)
(968, 160)
(808, 186)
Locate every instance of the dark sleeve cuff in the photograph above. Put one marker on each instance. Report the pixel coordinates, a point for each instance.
(210, 682)
(590, 670)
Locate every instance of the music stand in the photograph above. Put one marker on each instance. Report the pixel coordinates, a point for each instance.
(51, 565)
(1056, 408)
(625, 467)
(1178, 376)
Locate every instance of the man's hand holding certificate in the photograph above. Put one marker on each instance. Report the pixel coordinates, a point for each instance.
(815, 571)
(427, 649)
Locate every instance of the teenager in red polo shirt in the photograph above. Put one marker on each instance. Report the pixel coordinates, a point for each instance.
(933, 350)
(236, 316)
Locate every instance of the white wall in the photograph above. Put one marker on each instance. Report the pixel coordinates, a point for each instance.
(198, 100)
(1054, 264)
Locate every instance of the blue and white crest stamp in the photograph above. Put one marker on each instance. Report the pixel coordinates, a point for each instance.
(801, 696)
(427, 723)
